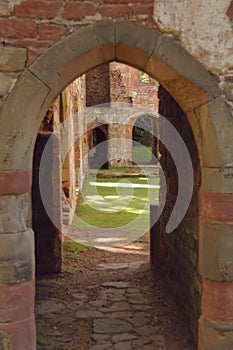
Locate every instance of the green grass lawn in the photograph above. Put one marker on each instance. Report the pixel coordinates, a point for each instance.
(104, 204)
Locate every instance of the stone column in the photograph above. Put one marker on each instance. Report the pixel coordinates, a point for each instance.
(216, 267)
(17, 283)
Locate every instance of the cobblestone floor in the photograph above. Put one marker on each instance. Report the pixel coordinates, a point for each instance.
(113, 306)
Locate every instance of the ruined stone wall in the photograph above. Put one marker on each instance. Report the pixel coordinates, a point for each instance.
(128, 85)
(98, 86)
(179, 249)
(28, 28)
(204, 29)
(31, 30)
(80, 127)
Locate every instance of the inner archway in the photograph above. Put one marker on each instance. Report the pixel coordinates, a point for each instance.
(98, 149)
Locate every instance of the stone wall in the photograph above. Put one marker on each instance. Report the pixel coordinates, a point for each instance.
(98, 86)
(128, 84)
(179, 249)
(44, 46)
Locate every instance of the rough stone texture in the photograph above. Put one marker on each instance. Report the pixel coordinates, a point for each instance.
(15, 213)
(128, 36)
(98, 86)
(216, 207)
(214, 336)
(217, 302)
(107, 330)
(19, 335)
(37, 9)
(206, 37)
(7, 82)
(12, 59)
(126, 86)
(217, 180)
(111, 326)
(30, 88)
(230, 11)
(17, 301)
(178, 251)
(17, 258)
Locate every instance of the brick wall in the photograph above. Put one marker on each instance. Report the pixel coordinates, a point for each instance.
(98, 86)
(126, 86)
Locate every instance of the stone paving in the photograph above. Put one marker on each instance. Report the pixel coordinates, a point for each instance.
(120, 314)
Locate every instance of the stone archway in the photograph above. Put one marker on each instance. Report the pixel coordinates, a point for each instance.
(98, 147)
(200, 98)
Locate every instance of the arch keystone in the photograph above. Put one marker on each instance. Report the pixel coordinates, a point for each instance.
(135, 44)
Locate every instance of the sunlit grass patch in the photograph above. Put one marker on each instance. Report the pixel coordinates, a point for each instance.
(116, 202)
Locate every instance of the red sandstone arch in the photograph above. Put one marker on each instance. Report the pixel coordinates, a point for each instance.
(199, 96)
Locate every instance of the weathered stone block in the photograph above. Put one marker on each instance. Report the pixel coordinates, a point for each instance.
(214, 336)
(6, 83)
(12, 59)
(208, 148)
(16, 28)
(105, 32)
(18, 134)
(228, 90)
(17, 257)
(68, 59)
(133, 45)
(37, 9)
(76, 11)
(18, 335)
(216, 207)
(215, 251)
(17, 301)
(220, 115)
(217, 180)
(217, 301)
(15, 213)
(116, 11)
(50, 31)
(187, 66)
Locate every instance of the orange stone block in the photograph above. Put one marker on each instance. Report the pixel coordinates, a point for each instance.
(15, 182)
(17, 301)
(216, 207)
(217, 301)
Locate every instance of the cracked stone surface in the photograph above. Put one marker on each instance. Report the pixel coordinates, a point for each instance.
(104, 309)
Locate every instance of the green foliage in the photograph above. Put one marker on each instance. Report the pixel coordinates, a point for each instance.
(50, 344)
(72, 249)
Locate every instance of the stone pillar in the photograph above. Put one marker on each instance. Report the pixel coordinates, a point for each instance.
(216, 267)
(17, 283)
(48, 237)
(120, 145)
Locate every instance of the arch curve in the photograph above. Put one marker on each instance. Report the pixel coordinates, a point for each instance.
(144, 48)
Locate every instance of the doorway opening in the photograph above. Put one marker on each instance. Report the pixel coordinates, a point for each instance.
(92, 137)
